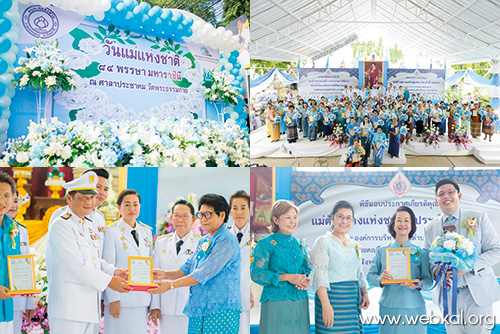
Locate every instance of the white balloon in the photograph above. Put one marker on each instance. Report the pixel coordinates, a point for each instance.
(6, 113)
(99, 16)
(13, 16)
(226, 54)
(229, 66)
(234, 115)
(223, 61)
(3, 137)
(231, 77)
(9, 57)
(221, 30)
(105, 5)
(230, 122)
(228, 34)
(4, 125)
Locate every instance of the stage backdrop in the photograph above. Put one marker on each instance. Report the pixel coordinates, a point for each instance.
(327, 82)
(122, 74)
(376, 195)
(423, 81)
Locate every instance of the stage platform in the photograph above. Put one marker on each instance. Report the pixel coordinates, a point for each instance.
(261, 146)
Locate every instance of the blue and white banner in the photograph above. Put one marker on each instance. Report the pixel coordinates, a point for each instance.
(425, 82)
(329, 82)
(375, 197)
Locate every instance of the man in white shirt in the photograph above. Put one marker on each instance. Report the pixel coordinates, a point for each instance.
(171, 252)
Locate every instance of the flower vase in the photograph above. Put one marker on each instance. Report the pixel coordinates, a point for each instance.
(43, 105)
(219, 108)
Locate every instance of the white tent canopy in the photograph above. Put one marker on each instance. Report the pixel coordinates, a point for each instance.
(458, 31)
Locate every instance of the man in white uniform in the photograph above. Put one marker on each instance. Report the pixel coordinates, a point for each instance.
(21, 303)
(76, 274)
(240, 212)
(477, 289)
(171, 252)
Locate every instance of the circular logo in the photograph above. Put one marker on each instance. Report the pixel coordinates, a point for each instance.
(40, 22)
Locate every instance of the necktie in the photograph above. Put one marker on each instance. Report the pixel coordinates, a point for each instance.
(136, 237)
(178, 246)
(239, 236)
(449, 224)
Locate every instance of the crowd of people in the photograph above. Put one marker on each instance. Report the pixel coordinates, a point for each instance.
(361, 113)
(203, 281)
(285, 268)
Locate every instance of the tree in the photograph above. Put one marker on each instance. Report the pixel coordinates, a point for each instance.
(480, 68)
(234, 9)
(263, 66)
(202, 8)
(363, 48)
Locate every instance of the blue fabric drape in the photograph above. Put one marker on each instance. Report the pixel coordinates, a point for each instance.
(145, 182)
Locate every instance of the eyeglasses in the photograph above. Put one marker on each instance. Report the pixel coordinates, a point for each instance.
(207, 214)
(449, 193)
(342, 217)
(185, 217)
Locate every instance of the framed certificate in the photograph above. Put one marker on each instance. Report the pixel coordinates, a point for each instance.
(397, 262)
(355, 157)
(378, 143)
(288, 120)
(310, 118)
(326, 119)
(22, 275)
(140, 275)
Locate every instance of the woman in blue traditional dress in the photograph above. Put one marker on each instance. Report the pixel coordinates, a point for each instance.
(352, 131)
(305, 124)
(328, 119)
(281, 265)
(394, 137)
(291, 118)
(338, 276)
(312, 118)
(366, 136)
(281, 111)
(403, 299)
(378, 145)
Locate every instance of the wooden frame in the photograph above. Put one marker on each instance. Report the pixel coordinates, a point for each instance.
(141, 286)
(13, 291)
(406, 252)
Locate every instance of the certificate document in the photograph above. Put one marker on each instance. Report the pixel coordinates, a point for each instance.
(140, 275)
(288, 120)
(398, 264)
(355, 157)
(21, 274)
(378, 144)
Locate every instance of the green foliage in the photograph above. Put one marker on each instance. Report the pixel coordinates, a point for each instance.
(480, 68)
(363, 48)
(263, 66)
(234, 9)
(201, 8)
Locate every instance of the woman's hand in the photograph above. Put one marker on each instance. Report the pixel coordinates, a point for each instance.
(252, 299)
(159, 274)
(328, 315)
(155, 315)
(365, 302)
(114, 309)
(29, 314)
(386, 276)
(162, 287)
(301, 281)
(4, 294)
(412, 285)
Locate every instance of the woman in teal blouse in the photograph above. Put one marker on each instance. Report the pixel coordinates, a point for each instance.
(404, 299)
(281, 265)
(337, 276)
(10, 244)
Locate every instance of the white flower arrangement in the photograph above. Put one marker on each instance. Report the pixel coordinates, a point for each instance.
(218, 88)
(44, 68)
(169, 142)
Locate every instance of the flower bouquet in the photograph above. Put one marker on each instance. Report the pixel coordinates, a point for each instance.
(405, 137)
(431, 137)
(338, 137)
(39, 323)
(219, 88)
(44, 68)
(452, 251)
(179, 143)
(460, 137)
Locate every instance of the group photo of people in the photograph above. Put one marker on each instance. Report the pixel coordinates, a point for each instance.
(199, 254)
(332, 274)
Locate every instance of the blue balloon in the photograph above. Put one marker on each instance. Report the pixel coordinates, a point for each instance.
(4, 125)
(6, 79)
(3, 89)
(121, 7)
(167, 27)
(5, 101)
(240, 78)
(5, 5)
(235, 83)
(166, 14)
(235, 53)
(137, 10)
(234, 71)
(177, 18)
(233, 60)
(129, 16)
(5, 113)
(189, 21)
(3, 66)
(5, 44)
(129, 3)
(5, 25)
(3, 137)
(188, 32)
(155, 11)
(237, 66)
(144, 6)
